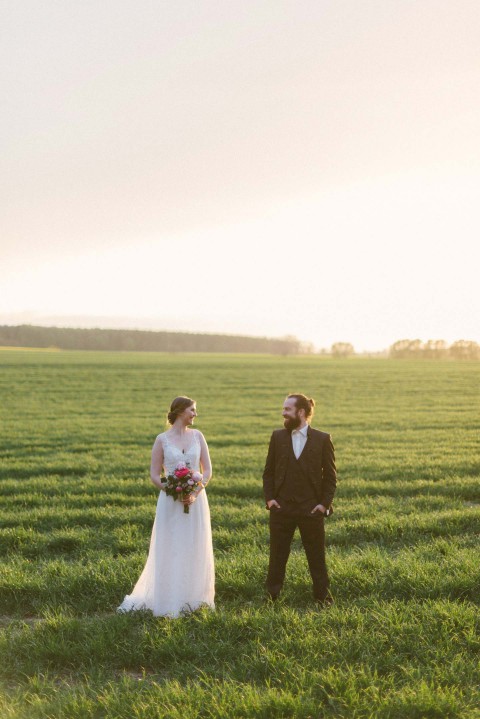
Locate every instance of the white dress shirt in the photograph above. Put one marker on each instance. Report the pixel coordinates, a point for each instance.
(299, 439)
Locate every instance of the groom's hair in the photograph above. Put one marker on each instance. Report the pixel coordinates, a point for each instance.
(303, 402)
(179, 405)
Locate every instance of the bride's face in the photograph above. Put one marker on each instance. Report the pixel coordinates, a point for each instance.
(188, 415)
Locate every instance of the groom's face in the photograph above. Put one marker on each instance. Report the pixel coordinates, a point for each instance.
(291, 417)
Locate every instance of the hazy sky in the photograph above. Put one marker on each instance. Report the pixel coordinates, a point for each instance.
(307, 168)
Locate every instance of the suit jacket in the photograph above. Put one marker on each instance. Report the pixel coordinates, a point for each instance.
(317, 458)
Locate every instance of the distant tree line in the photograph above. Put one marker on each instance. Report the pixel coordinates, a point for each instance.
(144, 341)
(416, 349)
(342, 349)
(68, 338)
(435, 349)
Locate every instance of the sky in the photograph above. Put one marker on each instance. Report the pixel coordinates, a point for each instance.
(268, 168)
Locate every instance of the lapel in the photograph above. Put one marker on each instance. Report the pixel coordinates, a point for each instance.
(285, 443)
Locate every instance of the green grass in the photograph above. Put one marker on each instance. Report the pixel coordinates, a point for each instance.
(77, 508)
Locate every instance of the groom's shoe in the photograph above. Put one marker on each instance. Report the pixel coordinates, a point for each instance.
(271, 597)
(325, 601)
(273, 591)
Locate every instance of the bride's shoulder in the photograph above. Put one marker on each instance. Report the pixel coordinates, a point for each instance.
(160, 437)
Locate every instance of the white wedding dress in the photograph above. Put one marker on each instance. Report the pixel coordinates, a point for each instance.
(179, 573)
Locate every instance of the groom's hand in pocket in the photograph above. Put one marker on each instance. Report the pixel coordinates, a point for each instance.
(273, 503)
(319, 508)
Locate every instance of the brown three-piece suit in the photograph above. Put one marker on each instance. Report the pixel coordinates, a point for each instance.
(298, 485)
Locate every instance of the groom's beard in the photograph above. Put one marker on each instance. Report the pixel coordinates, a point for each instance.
(291, 423)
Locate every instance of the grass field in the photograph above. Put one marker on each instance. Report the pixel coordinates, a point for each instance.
(402, 639)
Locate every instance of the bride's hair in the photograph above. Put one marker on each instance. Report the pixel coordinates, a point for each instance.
(179, 405)
(302, 402)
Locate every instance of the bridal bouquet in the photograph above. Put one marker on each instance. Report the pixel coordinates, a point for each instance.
(182, 483)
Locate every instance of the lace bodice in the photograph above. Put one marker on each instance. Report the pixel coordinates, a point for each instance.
(172, 455)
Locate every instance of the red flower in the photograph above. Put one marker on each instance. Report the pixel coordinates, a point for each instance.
(181, 472)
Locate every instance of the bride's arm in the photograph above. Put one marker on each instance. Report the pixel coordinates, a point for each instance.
(156, 465)
(205, 461)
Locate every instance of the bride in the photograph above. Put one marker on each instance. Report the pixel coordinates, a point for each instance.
(179, 573)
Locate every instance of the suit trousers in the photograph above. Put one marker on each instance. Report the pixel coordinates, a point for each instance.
(283, 523)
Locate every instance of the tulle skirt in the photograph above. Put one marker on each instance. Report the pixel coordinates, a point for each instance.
(179, 573)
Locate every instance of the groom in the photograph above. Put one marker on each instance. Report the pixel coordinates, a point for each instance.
(299, 482)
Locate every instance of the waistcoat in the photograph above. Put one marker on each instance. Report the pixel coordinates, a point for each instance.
(296, 486)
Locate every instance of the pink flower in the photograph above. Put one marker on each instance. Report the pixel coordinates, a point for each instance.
(178, 489)
(190, 482)
(197, 476)
(179, 473)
